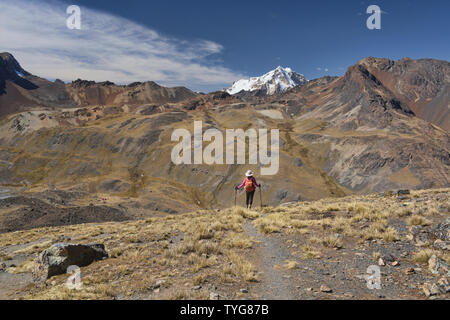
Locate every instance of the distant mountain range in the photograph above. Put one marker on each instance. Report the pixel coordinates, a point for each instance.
(20, 90)
(422, 85)
(276, 81)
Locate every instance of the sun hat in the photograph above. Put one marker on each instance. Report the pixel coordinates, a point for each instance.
(249, 173)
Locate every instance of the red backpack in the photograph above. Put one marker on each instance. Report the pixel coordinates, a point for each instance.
(249, 185)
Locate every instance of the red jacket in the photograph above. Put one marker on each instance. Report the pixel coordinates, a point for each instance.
(245, 179)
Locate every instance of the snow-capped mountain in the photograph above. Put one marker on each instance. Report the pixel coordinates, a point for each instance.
(275, 81)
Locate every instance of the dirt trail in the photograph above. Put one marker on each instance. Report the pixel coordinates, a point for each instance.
(274, 284)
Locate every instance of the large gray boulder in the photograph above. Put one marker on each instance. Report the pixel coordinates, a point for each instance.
(56, 259)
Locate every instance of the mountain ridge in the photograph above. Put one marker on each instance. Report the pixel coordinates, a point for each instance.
(338, 136)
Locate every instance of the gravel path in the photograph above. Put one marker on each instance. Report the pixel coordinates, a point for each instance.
(275, 284)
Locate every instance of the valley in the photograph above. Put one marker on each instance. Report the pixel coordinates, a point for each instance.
(363, 179)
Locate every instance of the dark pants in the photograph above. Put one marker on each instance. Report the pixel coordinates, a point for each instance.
(249, 198)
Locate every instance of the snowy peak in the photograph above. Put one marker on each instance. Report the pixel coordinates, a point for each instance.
(275, 81)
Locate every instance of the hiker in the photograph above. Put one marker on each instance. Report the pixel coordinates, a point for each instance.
(249, 185)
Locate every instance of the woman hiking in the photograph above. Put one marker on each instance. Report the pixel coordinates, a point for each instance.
(249, 184)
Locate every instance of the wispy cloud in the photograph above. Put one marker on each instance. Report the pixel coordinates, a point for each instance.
(107, 47)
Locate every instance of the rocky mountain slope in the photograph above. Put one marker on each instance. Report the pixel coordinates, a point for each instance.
(337, 136)
(423, 85)
(377, 132)
(20, 90)
(89, 93)
(276, 81)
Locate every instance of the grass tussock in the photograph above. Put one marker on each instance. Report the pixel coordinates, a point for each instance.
(291, 265)
(245, 213)
(310, 252)
(417, 220)
(423, 256)
(242, 267)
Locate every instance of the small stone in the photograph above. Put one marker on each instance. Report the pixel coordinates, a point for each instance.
(158, 284)
(444, 285)
(156, 290)
(244, 290)
(213, 296)
(196, 287)
(430, 289)
(435, 265)
(426, 289)
(389, 258)
(309, 289)
(410, 271)
(381, 262)
(325, 288)
(441, 244)
(395, 263)
(63, 238)
(435, 290)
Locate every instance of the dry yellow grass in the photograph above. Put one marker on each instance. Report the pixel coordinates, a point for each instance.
(246, 213)
(26, 267)
(141, 252)
(212, 246)
(424, 255)
(290, 265)
(310, 253)
(417, 220)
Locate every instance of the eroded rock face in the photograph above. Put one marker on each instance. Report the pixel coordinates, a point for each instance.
(56, 259)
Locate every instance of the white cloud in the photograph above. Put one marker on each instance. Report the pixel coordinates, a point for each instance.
(107, 47)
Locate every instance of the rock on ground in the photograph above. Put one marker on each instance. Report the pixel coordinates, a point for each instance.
(56, 259)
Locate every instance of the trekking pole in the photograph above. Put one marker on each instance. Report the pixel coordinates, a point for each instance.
(260, 197)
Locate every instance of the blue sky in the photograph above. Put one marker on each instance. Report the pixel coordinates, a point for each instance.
(224, 41)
